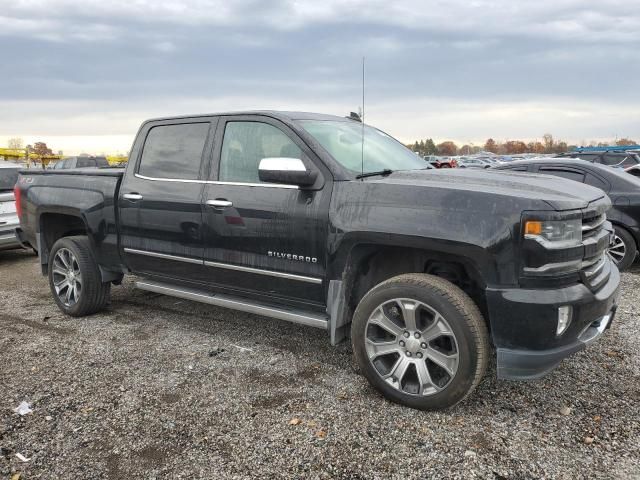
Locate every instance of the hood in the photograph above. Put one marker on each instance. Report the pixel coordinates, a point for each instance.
(558, 193)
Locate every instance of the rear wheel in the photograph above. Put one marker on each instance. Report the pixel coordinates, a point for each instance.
(421, 341)
(623, 249)
(74, 278)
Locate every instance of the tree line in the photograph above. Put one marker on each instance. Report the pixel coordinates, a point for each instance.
(508, 147)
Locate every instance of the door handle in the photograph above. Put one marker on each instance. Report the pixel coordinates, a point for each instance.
(133, 197)
(219, 203)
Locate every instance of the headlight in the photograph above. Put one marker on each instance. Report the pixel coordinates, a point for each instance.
(554, 233)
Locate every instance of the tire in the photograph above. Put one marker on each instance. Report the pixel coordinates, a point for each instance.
(623, 250)
(442, 309)
(72, 261)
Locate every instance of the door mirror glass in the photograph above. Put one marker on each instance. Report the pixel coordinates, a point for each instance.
(288, 171)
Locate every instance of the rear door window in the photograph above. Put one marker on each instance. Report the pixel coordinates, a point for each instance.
(597, 182)
(564, 173)
(612, 160)
(174, 151)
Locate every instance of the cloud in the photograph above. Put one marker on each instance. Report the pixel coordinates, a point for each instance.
(456, 68)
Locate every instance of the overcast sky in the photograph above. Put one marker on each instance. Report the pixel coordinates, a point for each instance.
(82, 75)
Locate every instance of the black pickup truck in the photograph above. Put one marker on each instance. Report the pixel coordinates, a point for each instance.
(294, 216)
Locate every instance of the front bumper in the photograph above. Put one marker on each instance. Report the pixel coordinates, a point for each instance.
(524, 322)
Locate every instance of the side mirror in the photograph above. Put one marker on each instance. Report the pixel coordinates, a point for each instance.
(288, 171)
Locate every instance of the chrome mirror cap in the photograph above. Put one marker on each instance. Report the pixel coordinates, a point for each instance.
(284, 164)
(287, 171)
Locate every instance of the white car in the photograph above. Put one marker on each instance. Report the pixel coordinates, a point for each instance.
(8, 217)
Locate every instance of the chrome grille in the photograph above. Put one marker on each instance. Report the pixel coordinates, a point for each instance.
(595, 240)
(591, 225)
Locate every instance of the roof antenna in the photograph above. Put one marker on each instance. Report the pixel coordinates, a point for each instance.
(362, 120)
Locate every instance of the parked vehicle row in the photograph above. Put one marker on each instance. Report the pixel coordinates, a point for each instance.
(294, 216)
(82, 161)
(481, 160)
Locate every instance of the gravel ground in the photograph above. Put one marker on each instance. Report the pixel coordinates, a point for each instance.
(157, 387)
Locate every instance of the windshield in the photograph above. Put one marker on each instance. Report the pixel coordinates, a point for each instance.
(343, 141)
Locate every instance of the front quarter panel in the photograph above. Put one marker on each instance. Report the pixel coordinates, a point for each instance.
(476, 226)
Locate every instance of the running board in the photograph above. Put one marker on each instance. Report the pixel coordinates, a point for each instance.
(302, 317)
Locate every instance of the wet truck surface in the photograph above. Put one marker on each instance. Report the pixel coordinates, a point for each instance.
(323, 221)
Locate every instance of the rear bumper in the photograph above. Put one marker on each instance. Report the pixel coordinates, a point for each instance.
(8, 237)
(524, 323)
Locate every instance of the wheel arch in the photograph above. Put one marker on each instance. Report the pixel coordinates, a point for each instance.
(54, 225)
(625, 227)
(369, 263)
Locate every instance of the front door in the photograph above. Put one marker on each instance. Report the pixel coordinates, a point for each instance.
(160, 200)
(264, 239)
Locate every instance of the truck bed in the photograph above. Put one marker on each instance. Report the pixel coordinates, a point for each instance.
(82, 201)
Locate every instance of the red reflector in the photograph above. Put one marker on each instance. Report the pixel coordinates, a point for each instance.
(17, 195)
(234, 220)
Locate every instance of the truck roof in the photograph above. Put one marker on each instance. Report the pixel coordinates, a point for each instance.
(282, 115)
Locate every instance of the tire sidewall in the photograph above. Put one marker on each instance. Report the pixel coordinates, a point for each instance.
(467, 348)
(79, 306)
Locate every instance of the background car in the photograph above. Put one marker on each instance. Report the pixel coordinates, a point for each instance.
(81, 162)
(622, 189)
(8, 217)
(442, 162)
(619, 159)
(471, 162)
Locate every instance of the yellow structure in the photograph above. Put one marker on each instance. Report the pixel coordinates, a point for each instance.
(117, 159)
(19, 155)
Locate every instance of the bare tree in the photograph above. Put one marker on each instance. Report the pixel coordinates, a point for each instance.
(15, 143)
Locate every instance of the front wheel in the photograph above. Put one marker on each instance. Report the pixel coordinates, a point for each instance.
(74, 278)
(421, 341)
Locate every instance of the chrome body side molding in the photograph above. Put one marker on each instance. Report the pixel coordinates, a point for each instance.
(228, 266)
(163, 255)
(272, 273)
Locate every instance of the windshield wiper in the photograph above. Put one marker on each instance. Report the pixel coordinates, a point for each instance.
(384, 172)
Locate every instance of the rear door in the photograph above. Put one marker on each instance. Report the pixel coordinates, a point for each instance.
(264, 239)
(160, 199)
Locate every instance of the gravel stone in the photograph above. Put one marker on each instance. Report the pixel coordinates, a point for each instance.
(565, 411)
(113, 397)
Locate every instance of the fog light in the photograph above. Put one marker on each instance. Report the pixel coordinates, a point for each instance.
(564, 319)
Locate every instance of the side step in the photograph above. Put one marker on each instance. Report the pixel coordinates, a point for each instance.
(302, 317)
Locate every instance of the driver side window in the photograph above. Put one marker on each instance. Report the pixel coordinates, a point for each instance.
(245, 144)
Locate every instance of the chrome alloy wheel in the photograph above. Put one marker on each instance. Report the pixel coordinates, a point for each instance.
(411, 346)
(617, 249)
(67, 279)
